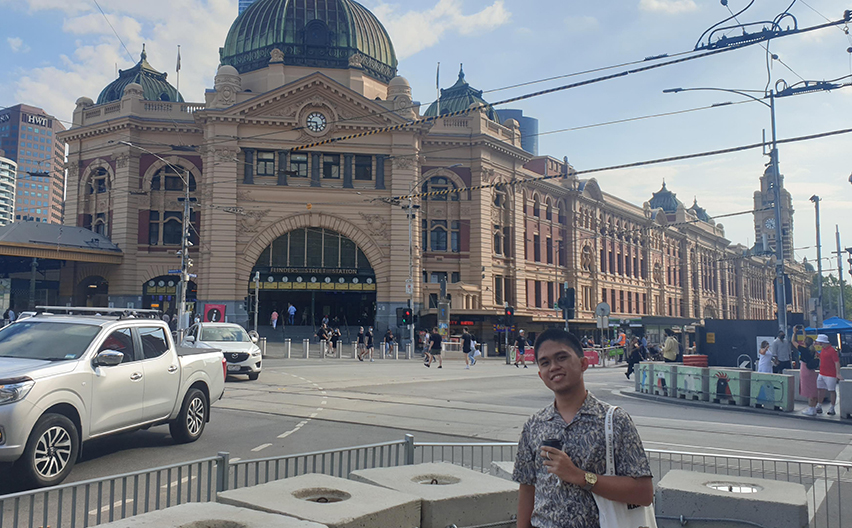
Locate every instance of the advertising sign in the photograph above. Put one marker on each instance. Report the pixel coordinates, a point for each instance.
(214, 313)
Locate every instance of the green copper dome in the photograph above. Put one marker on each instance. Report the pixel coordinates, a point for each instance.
(312, 33)
(154, 84)
(665, 199)
(699, 211)
(460, 96)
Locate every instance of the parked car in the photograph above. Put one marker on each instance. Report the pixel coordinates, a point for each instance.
(240, 347)
(66, 379)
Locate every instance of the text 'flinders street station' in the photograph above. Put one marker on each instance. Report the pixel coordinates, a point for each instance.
(319, 224)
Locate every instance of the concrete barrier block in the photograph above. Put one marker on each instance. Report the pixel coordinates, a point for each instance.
(693, 383)
(704, 495)
(665, 379)
(730, 385)
(772, 391)
(451, 495)
(210, 515)
(332, 501)
(504, 470)
(844, 397)
(795, 373)
(846, 372)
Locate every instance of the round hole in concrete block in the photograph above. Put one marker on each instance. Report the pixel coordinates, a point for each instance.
(734, 487)
(213, 523)
(436, 480)
(322, 495)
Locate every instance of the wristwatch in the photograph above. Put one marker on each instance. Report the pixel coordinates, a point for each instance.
(591, 480)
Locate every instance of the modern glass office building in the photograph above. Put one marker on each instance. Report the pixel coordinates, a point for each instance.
(28, 136)
(8, 172)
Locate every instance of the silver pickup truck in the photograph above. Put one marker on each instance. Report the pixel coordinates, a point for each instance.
(66, 379)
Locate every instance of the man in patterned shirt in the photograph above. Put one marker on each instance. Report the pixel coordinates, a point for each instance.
(556, 485)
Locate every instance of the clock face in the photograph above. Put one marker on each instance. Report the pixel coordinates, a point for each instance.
(770, 223)
(316, 122)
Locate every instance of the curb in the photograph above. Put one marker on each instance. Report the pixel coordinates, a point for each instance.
(710, 405)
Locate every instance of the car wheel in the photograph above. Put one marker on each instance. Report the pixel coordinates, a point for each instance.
(253, 375)
(190, 422)
(51, 451)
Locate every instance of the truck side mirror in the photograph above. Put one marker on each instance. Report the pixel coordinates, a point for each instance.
(108, 358)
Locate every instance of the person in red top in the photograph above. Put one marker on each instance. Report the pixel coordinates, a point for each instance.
(829, 373)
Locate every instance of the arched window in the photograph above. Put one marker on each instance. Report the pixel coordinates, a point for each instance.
(440, 184)
(165, 226)
(173, 179)
(98, 181)
(438, 235)
(536, 206)
(498, 242)
(548, 214)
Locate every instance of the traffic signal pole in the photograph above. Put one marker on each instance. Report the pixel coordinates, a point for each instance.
(840, 273)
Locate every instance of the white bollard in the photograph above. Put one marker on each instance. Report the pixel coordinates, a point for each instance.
(408, 349)
(306, 346)
(396, 350)
(287, 343)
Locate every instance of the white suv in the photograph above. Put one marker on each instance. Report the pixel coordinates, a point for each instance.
(241, 351)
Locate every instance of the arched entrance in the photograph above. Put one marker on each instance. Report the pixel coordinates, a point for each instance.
(161, 293)
(93, 291)
(321, 273)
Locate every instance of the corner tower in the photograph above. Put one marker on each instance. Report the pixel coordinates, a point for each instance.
(764, 220)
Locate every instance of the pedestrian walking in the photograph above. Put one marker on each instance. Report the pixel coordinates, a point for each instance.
(369, 336)
(829, 374)
(291, 314)
(635, 356)
(781, 351)
(520, 349)
(622, 342)
(435, 340)
(808, 366)
(335, 338)
(670, 347)
(361, 341)
(568, 439)
(467, 349)
(388, 344)
(427, 347)
(273, 319)
(764, 358)
(324, 335)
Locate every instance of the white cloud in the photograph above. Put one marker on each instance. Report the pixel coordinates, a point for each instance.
(17, 45)
(671, 7)
(199, 26)
(414, 31)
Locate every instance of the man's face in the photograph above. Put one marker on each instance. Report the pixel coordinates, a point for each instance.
(559, 367)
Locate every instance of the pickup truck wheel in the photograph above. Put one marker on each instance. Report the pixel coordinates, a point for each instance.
(190, 422)
(254, 375)
(51, 451)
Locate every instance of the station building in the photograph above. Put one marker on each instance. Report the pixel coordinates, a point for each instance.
(323, 226)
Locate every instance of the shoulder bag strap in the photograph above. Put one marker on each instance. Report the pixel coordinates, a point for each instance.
(610, 455)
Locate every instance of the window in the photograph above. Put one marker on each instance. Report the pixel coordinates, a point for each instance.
(98, 181)
(456, 277)
(536, 207)
(538, 294)
(168, 178)
(549, 211)
(364, 168)
(120, 341)
(172, 224)
(99, 226)
(498, 289)
(299, 165)
(436, 277)
(331, 166)
(154, 342)
(265, 164)
(537, 248)
(498, 243)
(549, 248)
(439, 184)
(455, 240)
(438, 235)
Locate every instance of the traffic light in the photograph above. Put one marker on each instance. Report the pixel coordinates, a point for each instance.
(567, 303)
(247, 304)
(406, 316)
(510, 315)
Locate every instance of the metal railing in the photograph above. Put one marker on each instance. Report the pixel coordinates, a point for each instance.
(97, 501)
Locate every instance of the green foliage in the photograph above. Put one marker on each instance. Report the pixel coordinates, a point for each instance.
(830, 294)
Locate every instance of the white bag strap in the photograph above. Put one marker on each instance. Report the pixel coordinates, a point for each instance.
(610, 455)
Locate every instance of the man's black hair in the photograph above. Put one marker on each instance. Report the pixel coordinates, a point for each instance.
(560, 336)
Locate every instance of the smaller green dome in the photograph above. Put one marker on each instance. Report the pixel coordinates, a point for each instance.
(154, 84)
(461, 96)
(665, 199)
(699, 211)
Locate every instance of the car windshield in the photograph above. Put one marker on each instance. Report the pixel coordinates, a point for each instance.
(46, 340)
(220, 333)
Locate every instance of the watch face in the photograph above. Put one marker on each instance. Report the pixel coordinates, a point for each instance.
(316, 122)
(770, 223)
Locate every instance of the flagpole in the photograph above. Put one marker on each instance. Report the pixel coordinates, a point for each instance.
(438, 88)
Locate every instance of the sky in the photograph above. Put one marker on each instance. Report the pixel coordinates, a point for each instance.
(54, 51)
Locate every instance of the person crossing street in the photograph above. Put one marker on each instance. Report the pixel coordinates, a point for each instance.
(520, 349)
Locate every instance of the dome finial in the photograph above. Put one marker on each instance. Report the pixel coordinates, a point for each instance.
(144, 55)
(461, 71)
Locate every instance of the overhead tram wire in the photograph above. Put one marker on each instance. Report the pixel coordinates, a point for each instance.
(114, 31)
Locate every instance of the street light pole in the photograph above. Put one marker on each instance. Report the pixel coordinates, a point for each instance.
(840, 274)
(780, 287)
(816, 199)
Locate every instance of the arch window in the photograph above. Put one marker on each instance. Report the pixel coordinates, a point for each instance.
(441, 184)
(98, 182)
(536, 206)
(548, 213)
(168, 179)
(165, 226)
(314, 248)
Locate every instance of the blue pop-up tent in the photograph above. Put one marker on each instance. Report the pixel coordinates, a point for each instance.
(836, 325)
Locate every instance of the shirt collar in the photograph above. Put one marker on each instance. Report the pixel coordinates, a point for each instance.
(591, 407)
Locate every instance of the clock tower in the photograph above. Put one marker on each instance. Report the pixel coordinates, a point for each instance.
(764, 221)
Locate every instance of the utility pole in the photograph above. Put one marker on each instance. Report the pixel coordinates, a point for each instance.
(820, 314)
(256, 298)
(781, 295)
(185, 261)
(840, 273)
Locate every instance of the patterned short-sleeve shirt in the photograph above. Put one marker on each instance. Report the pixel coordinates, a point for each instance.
(561, 505)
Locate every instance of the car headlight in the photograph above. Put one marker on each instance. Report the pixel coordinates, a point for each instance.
(15, 389)
(255, 353)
